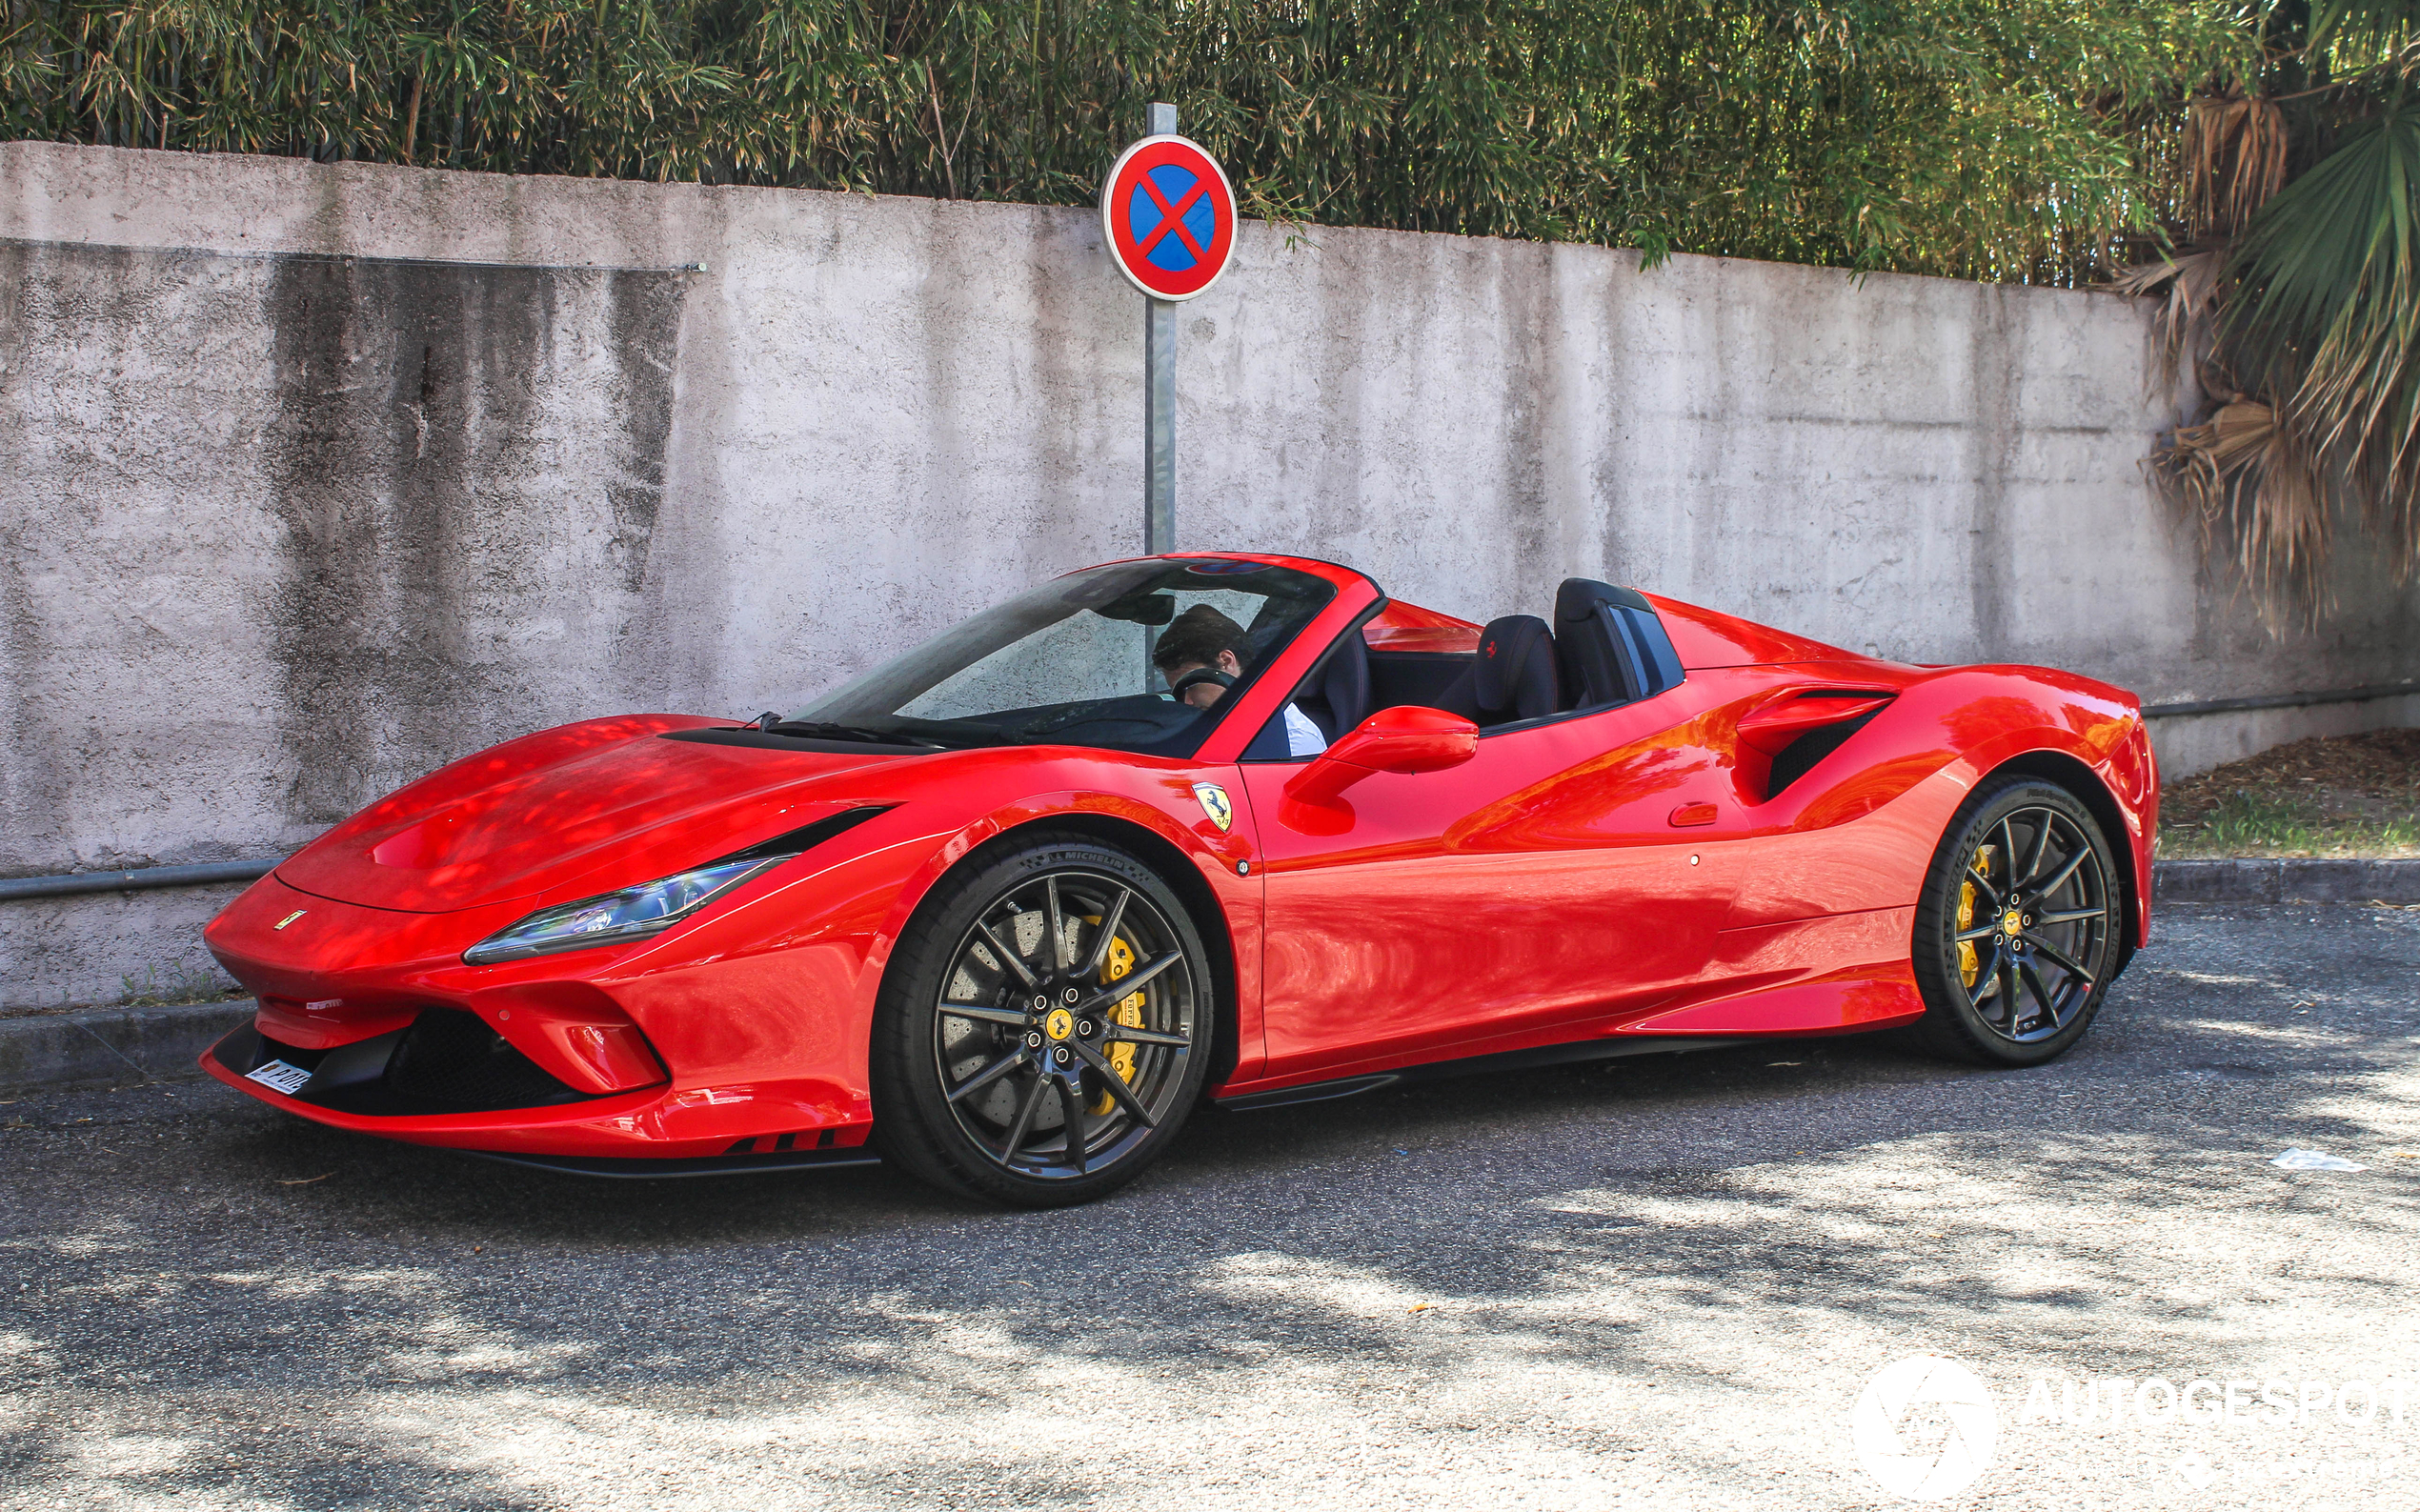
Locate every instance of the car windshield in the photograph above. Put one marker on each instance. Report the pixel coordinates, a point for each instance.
(1070, 663)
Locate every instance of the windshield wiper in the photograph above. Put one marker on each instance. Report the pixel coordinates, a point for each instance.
(818, 730)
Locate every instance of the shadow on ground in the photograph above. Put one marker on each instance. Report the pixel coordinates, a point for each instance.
(1662, 1277)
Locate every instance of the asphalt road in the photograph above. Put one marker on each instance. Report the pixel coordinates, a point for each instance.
(1656, 1283)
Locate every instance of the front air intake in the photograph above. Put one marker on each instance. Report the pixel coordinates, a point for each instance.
(453, 1058)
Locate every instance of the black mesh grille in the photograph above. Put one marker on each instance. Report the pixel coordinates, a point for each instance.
(453, 1058)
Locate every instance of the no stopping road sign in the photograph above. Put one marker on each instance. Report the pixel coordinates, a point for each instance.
(1169, 215)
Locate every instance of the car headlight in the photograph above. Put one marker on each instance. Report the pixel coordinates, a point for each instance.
(649, 909)
(613, 918)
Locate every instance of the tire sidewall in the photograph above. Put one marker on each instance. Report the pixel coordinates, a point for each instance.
(1950, 1024)
(913, 1126)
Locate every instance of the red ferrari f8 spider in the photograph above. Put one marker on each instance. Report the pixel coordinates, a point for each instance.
(1218, 827)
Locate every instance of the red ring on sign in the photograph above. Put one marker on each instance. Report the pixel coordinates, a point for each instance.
(1131, 254)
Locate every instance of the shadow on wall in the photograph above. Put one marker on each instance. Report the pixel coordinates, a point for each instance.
(281, 534)
(442, 502)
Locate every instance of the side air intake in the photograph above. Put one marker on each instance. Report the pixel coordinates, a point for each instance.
(453, 1058)
(1787, 735)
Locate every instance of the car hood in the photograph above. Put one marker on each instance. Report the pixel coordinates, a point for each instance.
(568, 812)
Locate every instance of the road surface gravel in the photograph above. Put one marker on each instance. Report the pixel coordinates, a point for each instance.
(1658, 1283)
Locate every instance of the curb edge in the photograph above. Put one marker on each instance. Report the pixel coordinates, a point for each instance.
(2285, 880)
(113, 1045)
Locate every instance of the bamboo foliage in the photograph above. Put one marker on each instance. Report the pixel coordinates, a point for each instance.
(1987, 138)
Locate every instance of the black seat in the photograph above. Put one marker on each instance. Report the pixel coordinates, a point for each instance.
(1513, 676)
(1337, 695)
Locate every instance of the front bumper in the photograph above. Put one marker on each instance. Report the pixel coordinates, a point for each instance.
(366, 1087)
(582, 1056)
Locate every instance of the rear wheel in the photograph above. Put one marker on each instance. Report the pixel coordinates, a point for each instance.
(2018, 928)
(1043, 1027)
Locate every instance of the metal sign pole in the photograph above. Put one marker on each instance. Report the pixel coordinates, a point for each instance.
(1159, 397)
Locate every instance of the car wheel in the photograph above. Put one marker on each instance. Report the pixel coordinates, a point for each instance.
(2018, 928)
(1043, 1026)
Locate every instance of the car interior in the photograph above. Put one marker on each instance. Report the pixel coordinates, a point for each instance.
(1606, 647)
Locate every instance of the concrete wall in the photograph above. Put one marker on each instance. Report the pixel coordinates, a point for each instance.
(312, 477)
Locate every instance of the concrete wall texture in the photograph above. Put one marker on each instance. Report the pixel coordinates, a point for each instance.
(317, 476)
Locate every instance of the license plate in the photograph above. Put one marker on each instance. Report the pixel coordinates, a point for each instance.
(285, 1078)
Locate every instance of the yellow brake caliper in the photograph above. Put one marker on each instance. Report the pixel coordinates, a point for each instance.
(1970, 963)
(1128, 1012)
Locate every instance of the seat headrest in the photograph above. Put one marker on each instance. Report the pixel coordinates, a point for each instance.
(1516, 669)
(1611, 643)
(1577, 599)
(1344, 684)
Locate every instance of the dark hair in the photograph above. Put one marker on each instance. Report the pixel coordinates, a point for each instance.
(1197, 635)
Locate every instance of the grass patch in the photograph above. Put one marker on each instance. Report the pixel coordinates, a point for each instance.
(158, 988)
(2252, 824)
(2344, 796)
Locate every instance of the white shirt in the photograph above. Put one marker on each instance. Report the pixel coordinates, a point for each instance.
(1302, 737)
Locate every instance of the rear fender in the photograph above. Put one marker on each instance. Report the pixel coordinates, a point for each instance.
(1867, 818)
(2112, 775)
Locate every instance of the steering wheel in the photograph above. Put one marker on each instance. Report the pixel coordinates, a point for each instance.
(1196, 678)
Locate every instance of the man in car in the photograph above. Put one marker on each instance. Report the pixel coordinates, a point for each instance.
(1202, 655)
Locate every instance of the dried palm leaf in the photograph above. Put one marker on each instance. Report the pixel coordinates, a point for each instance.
(2191, 281)
(2233, 156)
(2259, 489)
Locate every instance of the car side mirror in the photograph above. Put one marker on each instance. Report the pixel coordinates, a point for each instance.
(1404, 739)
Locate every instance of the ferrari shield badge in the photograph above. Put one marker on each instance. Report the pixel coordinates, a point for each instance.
(1214, 802)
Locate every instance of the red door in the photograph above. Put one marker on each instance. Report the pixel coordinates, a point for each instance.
(1568, 872)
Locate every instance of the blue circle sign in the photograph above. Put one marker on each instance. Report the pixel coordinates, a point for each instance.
(1169, 215)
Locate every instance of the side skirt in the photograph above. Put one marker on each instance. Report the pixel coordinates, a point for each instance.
(644, 1169)
(1471, 1066)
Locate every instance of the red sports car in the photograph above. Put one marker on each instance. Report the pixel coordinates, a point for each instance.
(1214, 826)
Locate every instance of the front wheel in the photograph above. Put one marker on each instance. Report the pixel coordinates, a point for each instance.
(1043, 1027)
(2018, 928)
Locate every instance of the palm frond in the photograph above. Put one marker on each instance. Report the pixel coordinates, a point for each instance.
(2189, 283)
(2260, 492)
(2233, 156)
(2364, 25)
(2329, 316)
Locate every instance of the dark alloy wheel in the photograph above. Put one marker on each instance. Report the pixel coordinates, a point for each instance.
(2018, 928)
(1043, 1028)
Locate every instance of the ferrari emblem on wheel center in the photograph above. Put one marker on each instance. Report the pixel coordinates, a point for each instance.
(2011, 922)
(1060, 1024)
